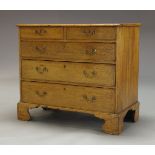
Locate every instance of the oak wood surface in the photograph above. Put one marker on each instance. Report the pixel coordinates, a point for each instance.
(127, 65)
(87, 98)
(95, 74)
(92, 33)
(41, 33)
(86, 52)
(75, 25)
(113, 123)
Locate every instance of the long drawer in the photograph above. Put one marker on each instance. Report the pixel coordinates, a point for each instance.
(41, 33)
(86, 52)
(80, 73)
(91, 33)
(87, 98)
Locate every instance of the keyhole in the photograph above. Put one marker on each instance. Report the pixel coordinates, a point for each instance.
(64, 88)
(64, 66)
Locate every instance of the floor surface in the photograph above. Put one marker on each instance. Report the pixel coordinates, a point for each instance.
(48, 127)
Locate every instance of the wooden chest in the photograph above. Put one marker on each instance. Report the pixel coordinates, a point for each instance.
(89, 68)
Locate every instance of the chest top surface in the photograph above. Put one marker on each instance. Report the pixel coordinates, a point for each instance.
(116, 24)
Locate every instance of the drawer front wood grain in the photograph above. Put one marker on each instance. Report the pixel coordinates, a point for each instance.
(86, 52)
(91, 33)
(77, 97)
(41, 33)
(84, 73)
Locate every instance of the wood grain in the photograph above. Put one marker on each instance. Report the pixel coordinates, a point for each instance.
(95, 74)
(75, 25)
(91, 33)
(86, 52)
(23, 110)
(87, 98)
(41, 32)
(127, 67)
(113, 123)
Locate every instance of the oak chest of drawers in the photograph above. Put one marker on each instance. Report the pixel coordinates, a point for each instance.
(89, 68)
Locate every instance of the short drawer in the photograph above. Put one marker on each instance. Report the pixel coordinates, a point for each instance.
(86, 52)
(78, 97)
(91, 33)
(41, 33)
(81, 73)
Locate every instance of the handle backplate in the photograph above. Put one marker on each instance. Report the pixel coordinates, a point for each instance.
(89, 32)
(41, 93)
(91, 52)
(89, 99)
(40, 32)
(41, 49)
(41, 69)
(89, 74)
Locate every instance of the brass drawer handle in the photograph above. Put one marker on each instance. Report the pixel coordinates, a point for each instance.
(40, 49)
(89, 32)
(41, 93)
(40, 32)
(91, 52)
(91, 74)
(41, 69)
(89, 99)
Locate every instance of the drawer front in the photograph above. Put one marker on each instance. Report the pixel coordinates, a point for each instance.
(91, 33)
(41, 33)
(86, 52)
(87, 98)
(84, 73)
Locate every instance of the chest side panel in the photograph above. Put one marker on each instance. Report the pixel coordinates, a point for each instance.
(127, 62)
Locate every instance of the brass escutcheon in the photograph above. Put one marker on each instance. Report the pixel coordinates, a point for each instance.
(89, 32)
(89, 99)
(40, 49)
(41, 93)
(89, 74)
(40, 32)
(41, 69)
(91, 51)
